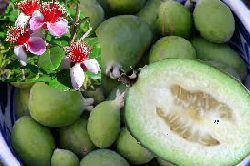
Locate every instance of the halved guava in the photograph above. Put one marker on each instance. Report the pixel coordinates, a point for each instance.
(189, 113)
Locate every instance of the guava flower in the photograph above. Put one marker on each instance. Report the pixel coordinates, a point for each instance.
(50, 17)
(28, 7)
(25, 41)
(78, 56)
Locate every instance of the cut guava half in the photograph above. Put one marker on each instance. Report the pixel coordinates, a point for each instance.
(189, 113)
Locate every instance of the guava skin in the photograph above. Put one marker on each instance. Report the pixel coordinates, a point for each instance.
(76, 138)
(33, 142)
(174, 19)
(103, 157)
(93, 10)
(54, 108)
(172, 47)
(224, 68)
(63, 157)
(221, 53)
(214, 20)
(149, 13)
(123, 40)
(125, 6)
(22, 102)
(128, 147)
(104, 124)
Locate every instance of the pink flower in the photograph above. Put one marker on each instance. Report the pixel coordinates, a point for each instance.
(78, 56)
(28, 7)
(25, 42)
(50, 17)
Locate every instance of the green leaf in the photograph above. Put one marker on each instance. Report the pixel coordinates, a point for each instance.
(51, 59)
(95, 48)
(60, 80)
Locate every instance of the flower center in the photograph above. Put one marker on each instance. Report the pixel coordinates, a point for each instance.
(29, 6)
(52, 11)
(78, 52)
(18, 35)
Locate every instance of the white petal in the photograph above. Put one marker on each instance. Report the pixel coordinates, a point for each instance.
(22, 20)
(21, 55)
(77, 76)
(92, 65)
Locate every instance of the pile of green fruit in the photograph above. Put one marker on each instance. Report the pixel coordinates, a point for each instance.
(187, 106)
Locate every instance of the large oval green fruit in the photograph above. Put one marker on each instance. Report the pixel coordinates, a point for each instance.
(125, 6)
(214, 20)
(172, 47)
(22, 102)
(63, 157)
(150, 14)
(174, 19)
(93, 10)
(76, 138)
(123, 40)
(128, 147)
(33, 142)
(103, 157)
(221, 53)
(104, 123)
(194, 115)
(54, 108)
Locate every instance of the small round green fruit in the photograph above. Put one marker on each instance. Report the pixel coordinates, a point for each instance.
(33, 142)
(62, 157)
(103, 157)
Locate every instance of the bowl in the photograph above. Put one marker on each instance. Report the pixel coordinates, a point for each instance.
(240, 42)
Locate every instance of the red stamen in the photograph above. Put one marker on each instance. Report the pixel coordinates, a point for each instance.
(78, 52)
(29, 6)
(52, 11)
(18, 35)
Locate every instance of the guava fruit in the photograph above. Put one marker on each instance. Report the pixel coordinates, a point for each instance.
(129, 148)
(214, 20)
(123, 40)
(104, 123)
(22, 102)
(125, 6)
(76, 138)
(171, 47)
(221, 53)
(54, 108)
(149, 13)
(33, 142)
(103, 157)
(63, 157)
(93, 10)
(224, 68)
(189, 113)
(174, 19)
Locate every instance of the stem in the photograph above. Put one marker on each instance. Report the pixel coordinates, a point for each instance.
(23, 73)
(76, 23)
(86, 34)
